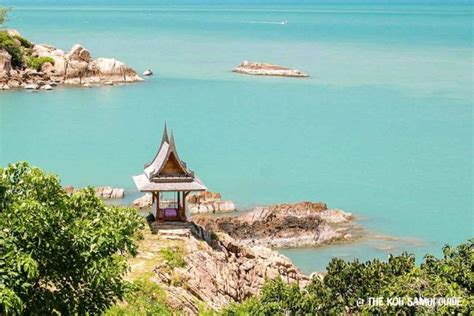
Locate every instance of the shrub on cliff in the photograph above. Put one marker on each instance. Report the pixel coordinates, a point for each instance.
(174, 257)
(13, 47)
(60, 253)
(37, 62)
(348, 286)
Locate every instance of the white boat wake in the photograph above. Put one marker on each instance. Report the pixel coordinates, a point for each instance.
(266, 22)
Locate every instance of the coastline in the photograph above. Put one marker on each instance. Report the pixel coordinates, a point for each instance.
(373, 108)
(313, 258)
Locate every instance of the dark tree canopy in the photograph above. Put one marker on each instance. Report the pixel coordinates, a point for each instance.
(60, 253)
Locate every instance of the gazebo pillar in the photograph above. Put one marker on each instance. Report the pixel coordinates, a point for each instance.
(158, 213)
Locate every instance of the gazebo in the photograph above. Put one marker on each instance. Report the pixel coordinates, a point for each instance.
(169, 181)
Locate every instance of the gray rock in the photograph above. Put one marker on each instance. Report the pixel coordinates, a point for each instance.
(5, 61)
(47, 87)
(31, 86)
(144, 201)
(208, 202)
(148, 72)
(265, 69)
(79, 53)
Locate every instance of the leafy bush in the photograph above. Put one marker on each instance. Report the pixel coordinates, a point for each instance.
(144, 298)
(174, 257)
(24, 42)
(347, 284)
(37, 62)
(61, 254)
(9, 43)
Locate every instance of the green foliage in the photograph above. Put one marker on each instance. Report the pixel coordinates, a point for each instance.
(60, 253)
(144, 298)
(37, 62)
(457, 265)
(214, 236)
(13, 47)
(24, 42)
(3, 15)
(347, 284)
(174, 257)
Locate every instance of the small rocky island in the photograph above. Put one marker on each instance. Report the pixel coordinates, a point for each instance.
(264, 69)
(39, 66)
(302, 224)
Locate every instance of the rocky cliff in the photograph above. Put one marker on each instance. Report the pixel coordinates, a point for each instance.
(216, 269)
(39, 66)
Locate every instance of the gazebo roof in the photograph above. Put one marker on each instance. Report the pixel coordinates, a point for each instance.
(145, 185)
(167, 172)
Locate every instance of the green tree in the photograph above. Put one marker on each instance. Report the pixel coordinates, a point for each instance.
(3, 15)
(60, 253)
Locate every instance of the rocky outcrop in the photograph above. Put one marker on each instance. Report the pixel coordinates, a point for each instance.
(5, 62)
(208, 202)
(110, 193)
(264, 69)
(202, 202)
(286, 225)
(102, 192)
(220, 270)
(144, 201)
(148, 73)
(76, 67)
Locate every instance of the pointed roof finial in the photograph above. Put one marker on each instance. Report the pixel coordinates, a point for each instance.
(173, 145)
(172, 138)
(165, 136)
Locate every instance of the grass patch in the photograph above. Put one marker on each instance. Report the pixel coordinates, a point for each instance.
(37, 62)
(174, 257)
(144, 298)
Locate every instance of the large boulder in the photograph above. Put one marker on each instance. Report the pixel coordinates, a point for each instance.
(109, 192)
(76, 69)
(113, 70)
(47, 67)
(208, 202)
(60, 66)
(79, 53)
(40, 50)
(5, 61)
(144, 201)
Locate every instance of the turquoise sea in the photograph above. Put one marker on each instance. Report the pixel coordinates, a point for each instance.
(382, 129)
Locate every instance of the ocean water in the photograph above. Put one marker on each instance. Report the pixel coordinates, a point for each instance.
(382, 129)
